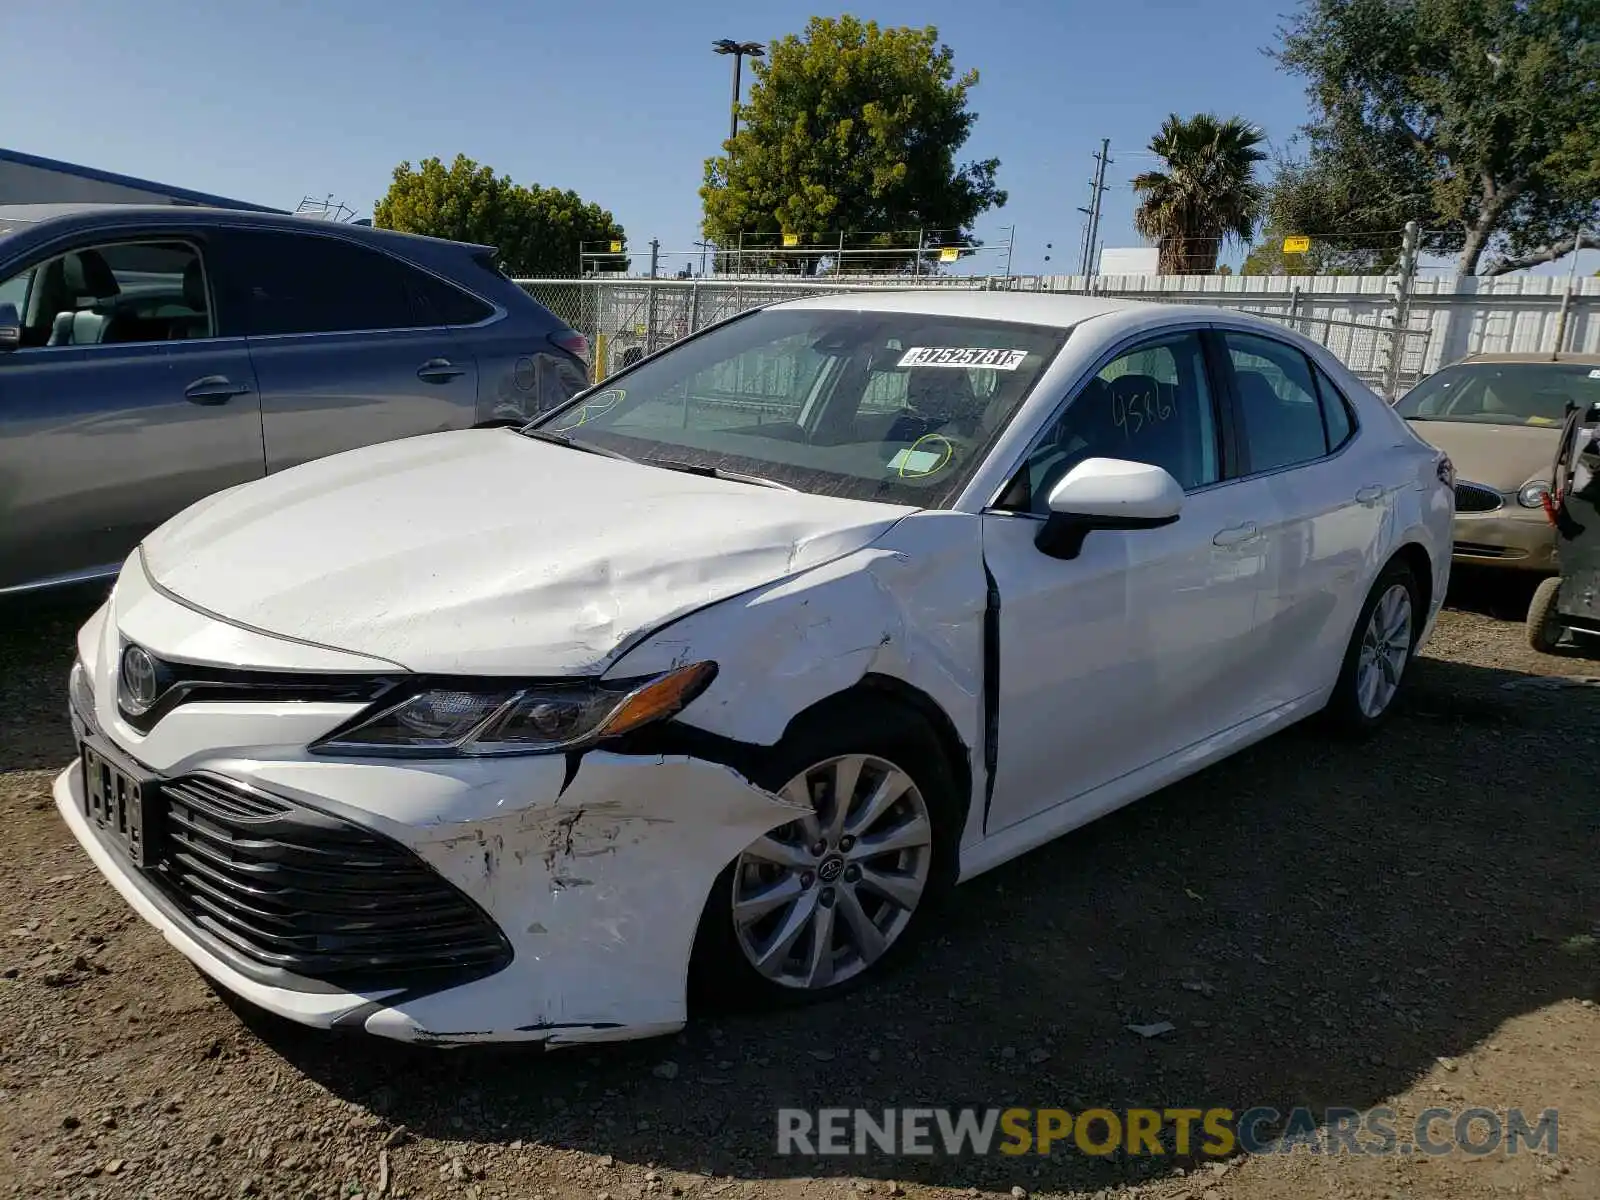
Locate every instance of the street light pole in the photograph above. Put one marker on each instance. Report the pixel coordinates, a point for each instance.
(738, 50)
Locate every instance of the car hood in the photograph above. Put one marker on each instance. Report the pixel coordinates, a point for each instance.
(482, 552)
(1503, 457)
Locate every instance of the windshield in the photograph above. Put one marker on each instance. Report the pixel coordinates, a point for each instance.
(1502, 393)
(895, 407)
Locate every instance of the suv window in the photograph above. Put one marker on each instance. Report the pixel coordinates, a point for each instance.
(120, 292)
(1278, 403)
(437, 303)
(1149, 405)
(309, 283)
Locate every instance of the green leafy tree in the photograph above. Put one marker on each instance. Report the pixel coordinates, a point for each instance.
(536, 230)
(1479, 119)
(1206, 193)
(852, 127)
(1268, 257)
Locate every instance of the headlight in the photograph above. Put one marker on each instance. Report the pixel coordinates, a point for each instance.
(80, 692)
(535, 719)
(1533, 493)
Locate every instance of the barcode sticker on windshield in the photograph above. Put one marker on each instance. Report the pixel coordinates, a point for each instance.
(963, 356)
(1595, 374)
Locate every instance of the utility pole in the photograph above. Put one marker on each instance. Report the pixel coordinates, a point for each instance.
(1402, 309)
(1566, 296)
(650, 319)
(1097, 189)
(738, 50)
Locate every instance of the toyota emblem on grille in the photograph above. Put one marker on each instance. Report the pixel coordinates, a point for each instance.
(138, 679)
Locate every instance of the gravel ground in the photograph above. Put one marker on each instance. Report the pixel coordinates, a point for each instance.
(1411, 923)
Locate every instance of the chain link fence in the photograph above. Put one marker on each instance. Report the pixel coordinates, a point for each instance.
(626, 319)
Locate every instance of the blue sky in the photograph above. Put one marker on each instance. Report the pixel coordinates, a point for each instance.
(619, 101)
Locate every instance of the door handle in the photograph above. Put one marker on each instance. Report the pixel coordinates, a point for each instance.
(1236, 535)
(213, 389)
(439, 370)
(1369, 495)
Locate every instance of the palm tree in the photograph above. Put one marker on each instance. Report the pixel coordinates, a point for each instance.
(1208, 191)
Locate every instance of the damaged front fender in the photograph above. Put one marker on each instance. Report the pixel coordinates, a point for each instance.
(909, 608)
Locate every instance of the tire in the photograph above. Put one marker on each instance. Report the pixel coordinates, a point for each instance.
(1355, 709)
(877, 736)
(1544, 631)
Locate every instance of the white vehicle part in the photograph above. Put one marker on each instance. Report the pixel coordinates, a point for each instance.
(598, 881)
(480, 552)
(909, 608)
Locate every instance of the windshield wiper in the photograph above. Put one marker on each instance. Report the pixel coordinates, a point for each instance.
(717, 473)
(562, 439)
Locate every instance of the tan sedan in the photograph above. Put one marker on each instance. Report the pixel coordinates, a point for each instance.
(1498, 417)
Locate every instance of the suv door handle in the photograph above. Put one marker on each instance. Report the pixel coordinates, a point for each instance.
(213, 389)
(439, 370)
(1236, 535)
(1370, 495)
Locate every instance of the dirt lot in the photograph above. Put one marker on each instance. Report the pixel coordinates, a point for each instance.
(1322, 924)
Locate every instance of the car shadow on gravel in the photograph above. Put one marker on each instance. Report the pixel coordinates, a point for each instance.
(38, 640)
(1319, 922)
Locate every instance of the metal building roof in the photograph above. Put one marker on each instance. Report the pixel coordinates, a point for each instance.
(29, 179)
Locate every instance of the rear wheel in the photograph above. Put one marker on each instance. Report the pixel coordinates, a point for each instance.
(815, 906)
(1544, 630)
(1380, 650)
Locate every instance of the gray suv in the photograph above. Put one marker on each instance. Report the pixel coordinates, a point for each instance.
(152, 356)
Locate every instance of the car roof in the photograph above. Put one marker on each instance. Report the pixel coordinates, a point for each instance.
(43, 218)
(1533, 356)
(1060, 310)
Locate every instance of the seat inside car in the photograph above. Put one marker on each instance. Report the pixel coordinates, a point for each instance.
(81, 289)
(940, 400)
(1274, 431)
(1153, 427)
(194, 297)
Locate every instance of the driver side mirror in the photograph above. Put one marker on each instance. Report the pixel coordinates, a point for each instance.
(10, 327)
(1107, 493)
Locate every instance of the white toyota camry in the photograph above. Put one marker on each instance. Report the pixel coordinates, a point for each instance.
(722, 674)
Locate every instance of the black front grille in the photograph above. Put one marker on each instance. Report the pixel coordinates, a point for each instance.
(299, 891)
(1470, 497)
(178, 683)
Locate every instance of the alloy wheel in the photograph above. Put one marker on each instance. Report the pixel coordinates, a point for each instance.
(1385, 650)
(819, 900)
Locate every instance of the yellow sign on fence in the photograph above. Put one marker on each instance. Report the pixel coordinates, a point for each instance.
(1296, 245)
(616, 247)
(949, 254)
(791, 239)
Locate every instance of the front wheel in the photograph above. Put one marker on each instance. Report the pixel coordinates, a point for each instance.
(1544, 630)
(816, 905)
(1380, 650)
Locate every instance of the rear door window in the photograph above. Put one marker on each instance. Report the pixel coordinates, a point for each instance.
(298, 284)
(1336, 413)
(1278, 402)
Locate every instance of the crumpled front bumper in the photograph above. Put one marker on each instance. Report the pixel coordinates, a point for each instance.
(599, 889)
(596, 871)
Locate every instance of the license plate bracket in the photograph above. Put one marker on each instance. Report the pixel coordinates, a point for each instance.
(122, 803)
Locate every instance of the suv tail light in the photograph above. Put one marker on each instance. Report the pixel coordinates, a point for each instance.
(572, 342)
